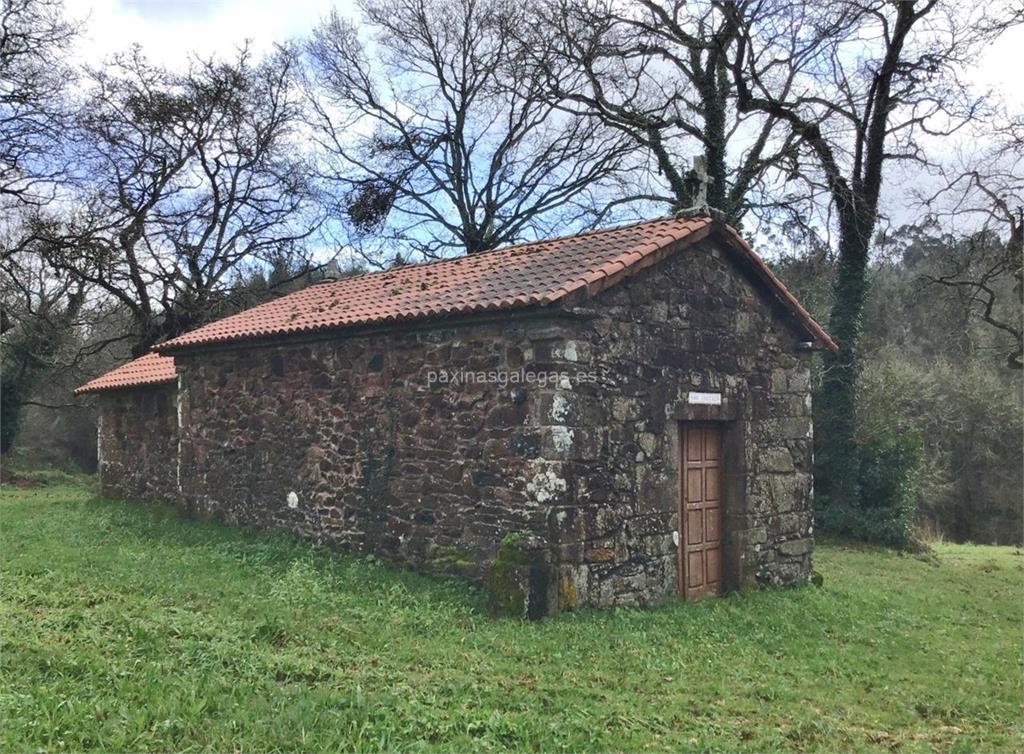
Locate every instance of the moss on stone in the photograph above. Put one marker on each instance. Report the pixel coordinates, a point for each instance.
(452, 559)
(505, 595)
(567, 596)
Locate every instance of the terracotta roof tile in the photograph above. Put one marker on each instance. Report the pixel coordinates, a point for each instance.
(513, 277)
(535, 274)
(150, 369)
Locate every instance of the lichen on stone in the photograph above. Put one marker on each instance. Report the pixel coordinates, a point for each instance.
(560, 407)
(545, 486)
(561, 438)
(567, 596)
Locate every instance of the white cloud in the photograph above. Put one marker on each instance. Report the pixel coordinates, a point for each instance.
(999, 68)
(169, 30)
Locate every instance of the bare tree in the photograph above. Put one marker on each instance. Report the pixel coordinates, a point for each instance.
(658, 71)
(446, 143)
(35, 310)
(33, 35)
(39, 312)
(184, 182)
(869, 77)
(986, 192)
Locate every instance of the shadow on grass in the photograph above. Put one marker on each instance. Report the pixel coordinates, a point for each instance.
(24, 479)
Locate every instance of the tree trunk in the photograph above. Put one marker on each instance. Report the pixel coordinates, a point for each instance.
(838, 460)
(715, 143)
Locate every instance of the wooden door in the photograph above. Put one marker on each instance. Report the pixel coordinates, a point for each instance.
(700, 519)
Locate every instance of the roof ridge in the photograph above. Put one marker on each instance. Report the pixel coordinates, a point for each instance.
(591, 232)
(520, 245)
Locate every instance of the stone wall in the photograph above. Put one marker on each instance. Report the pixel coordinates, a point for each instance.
(692, 323)
(138, 443)
(357, 443)
(401, 443)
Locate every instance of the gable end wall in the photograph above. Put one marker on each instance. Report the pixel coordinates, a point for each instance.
(693, 323)
(138, 443)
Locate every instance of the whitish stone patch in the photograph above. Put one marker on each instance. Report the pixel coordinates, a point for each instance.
(561, 438)
(560, 407)
(546, 486)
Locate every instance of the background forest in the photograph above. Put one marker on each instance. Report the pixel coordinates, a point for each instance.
(848, 141)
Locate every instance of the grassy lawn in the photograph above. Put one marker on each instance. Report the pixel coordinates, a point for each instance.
(124, 628)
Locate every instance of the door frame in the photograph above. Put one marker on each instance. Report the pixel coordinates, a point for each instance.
(681, 550)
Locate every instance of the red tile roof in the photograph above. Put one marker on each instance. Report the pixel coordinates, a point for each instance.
(534, 274)
(150, 369)
(514, 277)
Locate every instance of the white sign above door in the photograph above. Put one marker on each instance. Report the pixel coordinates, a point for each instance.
(705, 399)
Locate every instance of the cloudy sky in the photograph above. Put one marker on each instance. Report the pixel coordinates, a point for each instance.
(169, 29)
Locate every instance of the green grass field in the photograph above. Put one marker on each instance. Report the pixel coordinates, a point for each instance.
(124, 628)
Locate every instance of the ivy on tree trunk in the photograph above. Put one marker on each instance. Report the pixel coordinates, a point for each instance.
(837, 453)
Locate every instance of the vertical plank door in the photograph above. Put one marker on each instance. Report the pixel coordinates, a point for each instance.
(700, 519)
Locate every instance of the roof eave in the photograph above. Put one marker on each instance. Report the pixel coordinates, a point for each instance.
(89, 389)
